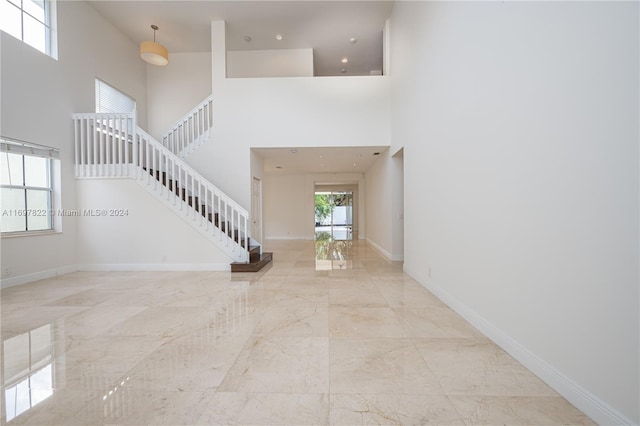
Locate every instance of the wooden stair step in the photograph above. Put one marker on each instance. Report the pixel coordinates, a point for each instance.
(256, 266)
(194, 202)
(257, 260)
(254, 254)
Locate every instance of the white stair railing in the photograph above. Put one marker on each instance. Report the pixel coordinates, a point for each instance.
(175, 182)
(190, 131)
(107, 146)
(102, 144)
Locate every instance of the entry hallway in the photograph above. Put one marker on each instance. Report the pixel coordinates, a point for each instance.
(349, 341)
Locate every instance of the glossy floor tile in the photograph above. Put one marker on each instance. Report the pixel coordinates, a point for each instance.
(330, 333)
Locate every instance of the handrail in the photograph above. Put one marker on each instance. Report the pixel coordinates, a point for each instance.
(185, 166)
(111, 145)
(191, 130)
(208, 100)
(103, 144)
(175, 181)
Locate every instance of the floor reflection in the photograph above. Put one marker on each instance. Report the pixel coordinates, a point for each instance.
(27, 370)
(333, 254)
(292, 346)
(114, 367)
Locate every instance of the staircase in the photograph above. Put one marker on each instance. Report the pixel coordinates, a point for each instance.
(112, 146)
(190, 131)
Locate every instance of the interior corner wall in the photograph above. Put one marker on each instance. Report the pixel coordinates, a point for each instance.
(520, 127)
(175, 89)
(397, 205)
(257, 171)
(39, 94)
(379, 205)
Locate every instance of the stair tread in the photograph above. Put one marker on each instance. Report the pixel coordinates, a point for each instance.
(193, 201)
(265, 259)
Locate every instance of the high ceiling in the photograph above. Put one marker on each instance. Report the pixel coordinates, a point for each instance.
(325, 26)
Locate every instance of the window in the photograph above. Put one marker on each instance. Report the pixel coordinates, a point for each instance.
(30, 21)
(110, 99)
(26, 187)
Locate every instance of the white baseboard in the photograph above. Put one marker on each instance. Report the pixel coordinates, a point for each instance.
(121, 267)
(385, 253)
(598, 410)
(36, 276)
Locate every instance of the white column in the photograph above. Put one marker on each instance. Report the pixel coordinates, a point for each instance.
(218, 53)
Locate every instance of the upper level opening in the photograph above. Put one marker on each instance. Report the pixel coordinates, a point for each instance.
(309, 39)
(266, 38)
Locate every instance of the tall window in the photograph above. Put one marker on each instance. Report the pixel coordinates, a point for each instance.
(31, 21)
(110, 99)
(26, 187)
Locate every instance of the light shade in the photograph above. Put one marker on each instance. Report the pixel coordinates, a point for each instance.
(154, 53)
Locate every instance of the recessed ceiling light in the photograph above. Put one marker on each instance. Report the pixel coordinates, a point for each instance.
(278, 37)
(353, 40)
(322, 156)
(247, 38)
(354, 164)
(344, 60)
(293, 151)
(343, 70)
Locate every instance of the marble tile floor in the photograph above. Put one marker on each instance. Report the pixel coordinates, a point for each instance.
(344, 339)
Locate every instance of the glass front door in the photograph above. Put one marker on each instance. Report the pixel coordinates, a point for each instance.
(334, 215)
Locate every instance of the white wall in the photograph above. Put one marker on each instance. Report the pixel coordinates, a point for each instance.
(397, 205)
(385, 205)
(39, 94)
(163, 240)
(286, 208)
(257, 172)
(285, 112)
(379, 204)
(174, 90)
(520, 127)
(289, 202)
(289, 112)
(270, 63)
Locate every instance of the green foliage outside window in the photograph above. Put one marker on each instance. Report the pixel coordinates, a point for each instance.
(323, 207)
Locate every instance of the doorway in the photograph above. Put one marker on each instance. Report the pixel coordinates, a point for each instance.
(334, 215)
(334, 229)
(256, 209)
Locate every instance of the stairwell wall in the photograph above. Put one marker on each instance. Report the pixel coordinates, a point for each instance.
(39, 94)
(175, 89)
(143, 235)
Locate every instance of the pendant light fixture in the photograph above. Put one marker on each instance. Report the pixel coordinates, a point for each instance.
(154, 53)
